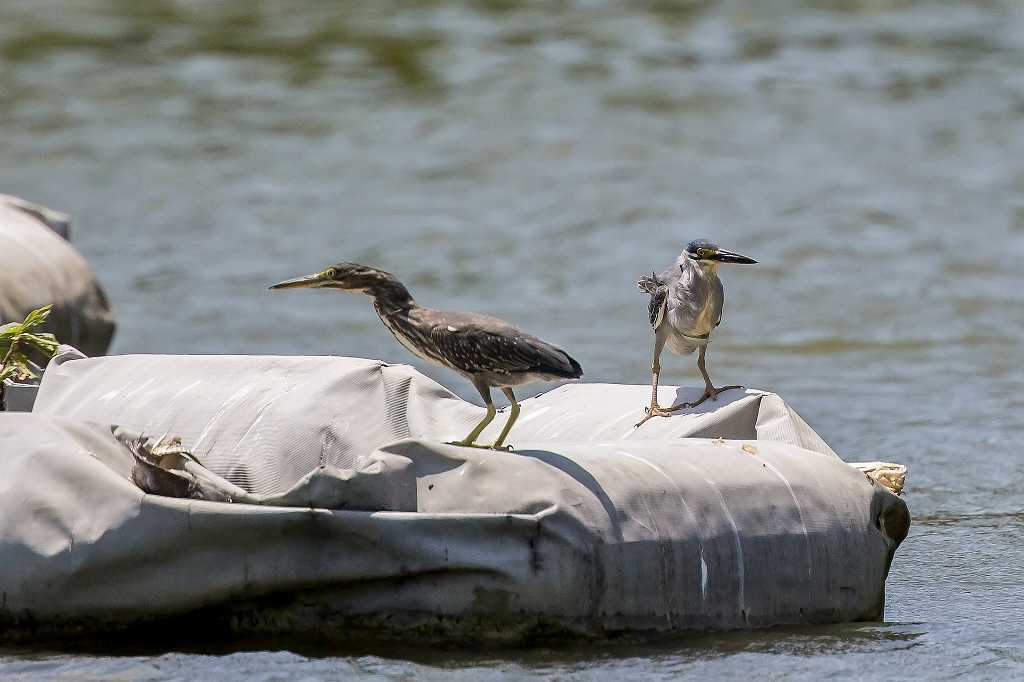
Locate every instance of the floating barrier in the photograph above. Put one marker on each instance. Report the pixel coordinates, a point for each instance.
(38, 266)
(351, 516)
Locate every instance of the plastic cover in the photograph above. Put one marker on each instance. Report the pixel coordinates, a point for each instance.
(588, 526)
(38, 266)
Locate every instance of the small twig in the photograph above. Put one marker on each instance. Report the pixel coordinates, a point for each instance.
(3, 366)
(10, 352)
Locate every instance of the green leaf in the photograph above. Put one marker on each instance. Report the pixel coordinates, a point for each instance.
(37, 317)
(18, 344)
(45, 342)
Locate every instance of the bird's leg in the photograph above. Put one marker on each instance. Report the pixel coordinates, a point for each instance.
(470, 440)
(511, 420)
(709, 389)
(656, 410)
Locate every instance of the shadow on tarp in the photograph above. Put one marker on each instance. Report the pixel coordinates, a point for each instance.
(583, 477)
(690, 395)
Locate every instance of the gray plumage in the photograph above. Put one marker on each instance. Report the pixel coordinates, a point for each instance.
(686, 304)
(685, 307)
(487, 351)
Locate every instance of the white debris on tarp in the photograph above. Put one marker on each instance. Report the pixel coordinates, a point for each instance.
(892, 476)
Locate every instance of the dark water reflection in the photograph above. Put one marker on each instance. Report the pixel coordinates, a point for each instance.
(663, 659)
(530, 160)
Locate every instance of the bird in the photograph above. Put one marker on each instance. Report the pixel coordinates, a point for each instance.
(685, 308)
(485, 350)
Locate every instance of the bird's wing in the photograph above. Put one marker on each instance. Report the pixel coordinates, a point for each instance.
(719, 300)
(656, 308)
(658, 289)
(477, 343)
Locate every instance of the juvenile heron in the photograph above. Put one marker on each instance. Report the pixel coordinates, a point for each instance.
(686, 306)
(487, 351)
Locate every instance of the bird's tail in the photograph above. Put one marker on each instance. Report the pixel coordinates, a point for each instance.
(649, 284)
(577, 371)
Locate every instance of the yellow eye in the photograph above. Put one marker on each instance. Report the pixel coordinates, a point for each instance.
(331, 273)
(703, 253)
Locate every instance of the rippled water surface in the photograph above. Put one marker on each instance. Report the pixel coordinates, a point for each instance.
(530, 160)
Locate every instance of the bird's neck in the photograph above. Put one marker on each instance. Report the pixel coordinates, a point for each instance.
(710, 269)
(706, 269)
(390, 296)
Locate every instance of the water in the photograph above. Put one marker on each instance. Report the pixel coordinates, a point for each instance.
(531, 163)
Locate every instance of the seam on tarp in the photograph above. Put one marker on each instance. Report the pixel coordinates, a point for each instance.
(668, 568)
(682, 500)
(740, 568)
(799, 510)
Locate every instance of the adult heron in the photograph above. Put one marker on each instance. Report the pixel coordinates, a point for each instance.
(685, 307)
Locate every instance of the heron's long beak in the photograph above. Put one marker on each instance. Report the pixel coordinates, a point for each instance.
(723, 256)
(305, 282)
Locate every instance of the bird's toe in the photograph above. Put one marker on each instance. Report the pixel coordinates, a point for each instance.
(656, 411)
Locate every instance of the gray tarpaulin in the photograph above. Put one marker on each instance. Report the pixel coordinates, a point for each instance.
(587, 526)
(38, 267)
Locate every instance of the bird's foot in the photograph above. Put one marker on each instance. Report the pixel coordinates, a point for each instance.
(480, 446)
(467, 444)
(657, 411)
(709, 392)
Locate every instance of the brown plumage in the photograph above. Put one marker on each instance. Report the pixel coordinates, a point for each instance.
(487, 351)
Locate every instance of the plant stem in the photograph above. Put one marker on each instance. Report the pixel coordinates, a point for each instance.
(3, 364)
(10, 352)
